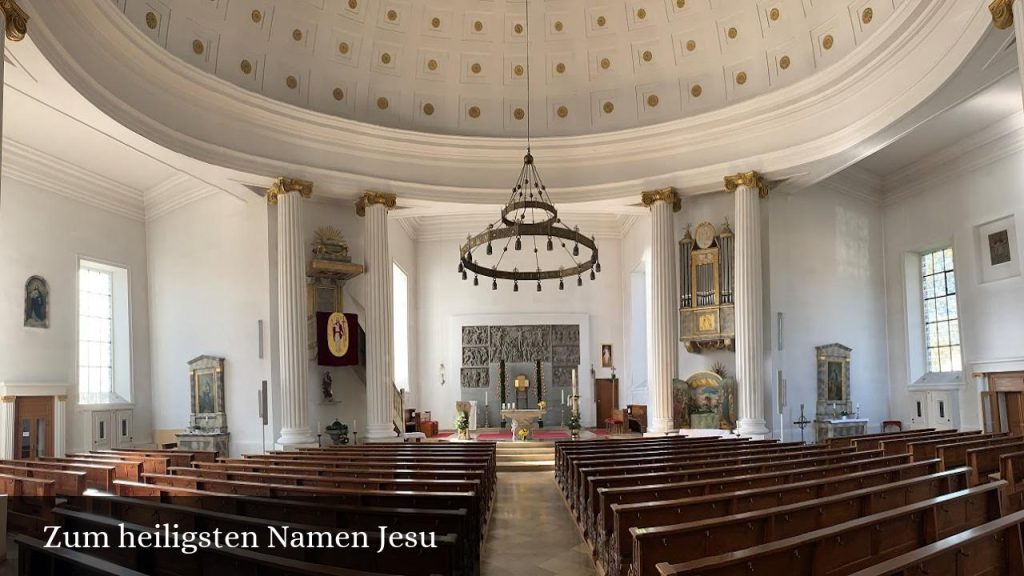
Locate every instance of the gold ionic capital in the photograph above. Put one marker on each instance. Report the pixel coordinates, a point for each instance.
(62, 397)
(16, 20)
(285, 185)
(7, 399)
(750, 180)
(668, 195)
(370, 198)
(1002, 13)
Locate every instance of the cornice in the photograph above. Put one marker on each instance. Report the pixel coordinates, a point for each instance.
(46, 172)
(889, 74)
(987, 146)
(173, 193)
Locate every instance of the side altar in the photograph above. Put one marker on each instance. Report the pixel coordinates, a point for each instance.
(523, 421)
(208, 423)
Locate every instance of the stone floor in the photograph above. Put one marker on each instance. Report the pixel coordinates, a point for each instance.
(531, 531)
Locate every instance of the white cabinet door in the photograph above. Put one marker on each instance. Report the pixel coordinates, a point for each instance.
(101, 430)
(918, 410)
(940, 409)
(123, 429)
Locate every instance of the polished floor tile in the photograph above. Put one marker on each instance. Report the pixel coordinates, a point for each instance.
(531, 531)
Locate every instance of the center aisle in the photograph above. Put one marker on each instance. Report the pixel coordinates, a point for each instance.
(531, 531)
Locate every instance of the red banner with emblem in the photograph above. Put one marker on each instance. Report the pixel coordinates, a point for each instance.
(337, 339)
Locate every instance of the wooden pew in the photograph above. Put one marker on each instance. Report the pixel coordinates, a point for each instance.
(619, 549)
(66, 483)
(994, 548)
(419, 561)
(174, 457)
(29, 503)
(712, 450)
(437, 500)
(34, 559)
(150, 464)
(123, 470)
(844, 441)
(1011, 470)
(896, 445)
(564, 448)
(614, 477)
(178, 505)
(985, 462)
(955, 455)
(687, 541)
(97, 476)
(856, 544)
(927, 449)
(327, 481)
(875, 442)
(599, 513)
(197, 455)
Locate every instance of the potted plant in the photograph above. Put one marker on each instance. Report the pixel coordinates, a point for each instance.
(462, 425)
(574, 425)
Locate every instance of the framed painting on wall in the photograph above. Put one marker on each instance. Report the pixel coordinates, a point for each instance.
(997, 252)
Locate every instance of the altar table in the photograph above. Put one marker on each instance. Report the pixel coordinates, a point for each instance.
(522, 419)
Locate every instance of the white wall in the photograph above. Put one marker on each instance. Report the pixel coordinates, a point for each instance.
(44, 234)
(443, 296)
(945, 212)
(634, 387)
(208, 270)
(827, 279)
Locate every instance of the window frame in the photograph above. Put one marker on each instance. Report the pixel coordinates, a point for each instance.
(927, 347)
(916, 345)
(122, 330)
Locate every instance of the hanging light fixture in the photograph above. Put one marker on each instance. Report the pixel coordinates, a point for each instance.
(529, 217)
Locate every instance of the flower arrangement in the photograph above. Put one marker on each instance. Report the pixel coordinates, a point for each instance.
(542, 405)
(462, 425)
(522, 433)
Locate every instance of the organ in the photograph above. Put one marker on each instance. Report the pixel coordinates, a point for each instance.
(707, 280)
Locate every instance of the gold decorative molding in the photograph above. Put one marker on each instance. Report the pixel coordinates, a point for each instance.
(750, 180)
(16, 19)
(286, 185)
(370, 198)
(1002, 13)
(7, 399)
(62, 397)
(663, 195)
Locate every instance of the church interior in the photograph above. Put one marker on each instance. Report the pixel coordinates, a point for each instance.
(284, 291)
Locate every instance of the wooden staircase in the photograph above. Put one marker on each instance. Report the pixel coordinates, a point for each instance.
(526, 457)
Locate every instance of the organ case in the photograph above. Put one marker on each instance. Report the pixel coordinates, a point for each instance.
(706, 278)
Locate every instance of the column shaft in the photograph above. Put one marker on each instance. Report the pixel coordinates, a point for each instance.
(291, 313)
(379, 324)
(749, 312)
(664, 309)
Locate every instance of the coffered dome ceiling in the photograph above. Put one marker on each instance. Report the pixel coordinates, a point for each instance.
(459, 66)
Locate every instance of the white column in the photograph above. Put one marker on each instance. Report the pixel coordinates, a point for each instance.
(749, 188)
(7, 428)
(380, 369)
(664, 343)
(288, 193)
(59, 425)
(1007, 14)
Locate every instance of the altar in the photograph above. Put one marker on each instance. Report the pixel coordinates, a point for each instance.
(840, 427)
(523, 421)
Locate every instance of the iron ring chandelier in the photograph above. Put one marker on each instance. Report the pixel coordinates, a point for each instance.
(529, 215)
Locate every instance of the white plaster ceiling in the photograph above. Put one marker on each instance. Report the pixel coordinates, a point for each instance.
(459, 66)
(993, 104)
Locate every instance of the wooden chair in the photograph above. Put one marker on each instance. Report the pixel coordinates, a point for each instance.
(616, 423)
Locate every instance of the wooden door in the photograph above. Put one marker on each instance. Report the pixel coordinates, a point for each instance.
(607, 393)
(33, 426)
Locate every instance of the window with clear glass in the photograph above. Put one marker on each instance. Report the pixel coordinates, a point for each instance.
(95, 332)
(941, 316)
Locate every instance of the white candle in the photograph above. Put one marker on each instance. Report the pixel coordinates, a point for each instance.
(318, 428)
(575, 382)
(355, 425)
(563, 395)
(487, 395)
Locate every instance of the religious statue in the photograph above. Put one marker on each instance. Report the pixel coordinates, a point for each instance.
(327, 387)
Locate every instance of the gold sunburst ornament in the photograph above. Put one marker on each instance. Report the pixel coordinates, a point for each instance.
(529, 220)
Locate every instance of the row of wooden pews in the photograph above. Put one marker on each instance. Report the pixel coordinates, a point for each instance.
(439, 488)
(877, 503)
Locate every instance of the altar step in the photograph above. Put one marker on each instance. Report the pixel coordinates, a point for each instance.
(525, 456)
